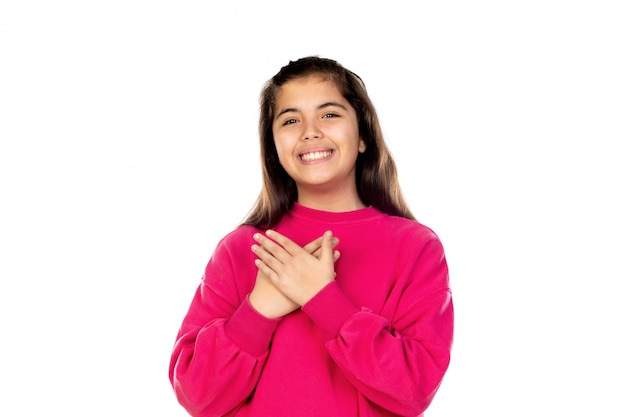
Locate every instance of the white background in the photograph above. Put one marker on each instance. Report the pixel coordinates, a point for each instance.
(129, 148)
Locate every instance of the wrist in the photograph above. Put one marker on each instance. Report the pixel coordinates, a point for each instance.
(264, 307)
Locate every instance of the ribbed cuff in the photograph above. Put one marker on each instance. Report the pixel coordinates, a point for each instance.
(330, 309)
(251, 330)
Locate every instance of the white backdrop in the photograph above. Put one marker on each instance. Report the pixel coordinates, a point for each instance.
(129, 148)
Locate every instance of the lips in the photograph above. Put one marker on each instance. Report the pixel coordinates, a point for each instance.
(314, 156)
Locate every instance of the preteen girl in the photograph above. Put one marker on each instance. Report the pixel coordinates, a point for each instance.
(330, 299)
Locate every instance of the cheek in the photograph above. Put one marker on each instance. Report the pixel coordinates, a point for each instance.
(281, 150)
(284, 143)
(278, 145)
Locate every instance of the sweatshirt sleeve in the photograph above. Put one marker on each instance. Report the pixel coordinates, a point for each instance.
(223, 342)
(396, 363)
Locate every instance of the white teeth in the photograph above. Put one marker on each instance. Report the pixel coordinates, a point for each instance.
(313, 156)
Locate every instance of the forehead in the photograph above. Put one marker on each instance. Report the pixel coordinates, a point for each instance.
(305, 89)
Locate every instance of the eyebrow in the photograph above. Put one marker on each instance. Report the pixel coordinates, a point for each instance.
(321, 106)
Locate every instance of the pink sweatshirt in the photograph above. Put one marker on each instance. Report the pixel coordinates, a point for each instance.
(374, 342)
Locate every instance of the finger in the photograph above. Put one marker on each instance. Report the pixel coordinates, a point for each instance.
(287, 244)
(271, 247)
(315, 247)
(327, 247)
(266, 270)
(266, 258)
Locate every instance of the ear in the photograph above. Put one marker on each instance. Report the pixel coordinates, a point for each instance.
(362, 145)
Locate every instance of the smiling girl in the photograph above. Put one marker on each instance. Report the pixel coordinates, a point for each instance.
(330, 299)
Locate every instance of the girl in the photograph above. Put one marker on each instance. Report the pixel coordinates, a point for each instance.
(330, 299)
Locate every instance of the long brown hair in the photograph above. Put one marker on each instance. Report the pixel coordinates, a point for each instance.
(376, 174)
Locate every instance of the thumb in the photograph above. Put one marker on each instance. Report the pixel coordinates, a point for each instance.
(327, 247)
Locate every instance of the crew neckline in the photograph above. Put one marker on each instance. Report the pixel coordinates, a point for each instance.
(367, 213)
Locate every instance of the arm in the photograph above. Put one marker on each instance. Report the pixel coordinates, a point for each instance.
(270, 299)
(223, 342)
(295, 271)
(396, 364)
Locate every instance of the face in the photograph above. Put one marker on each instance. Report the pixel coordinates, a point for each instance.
(316, 135)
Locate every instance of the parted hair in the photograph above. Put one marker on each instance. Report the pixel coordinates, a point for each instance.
(376, 174)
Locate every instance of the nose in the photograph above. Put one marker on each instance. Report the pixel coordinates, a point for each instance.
(311, 131)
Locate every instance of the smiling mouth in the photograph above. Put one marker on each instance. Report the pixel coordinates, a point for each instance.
(314, 156)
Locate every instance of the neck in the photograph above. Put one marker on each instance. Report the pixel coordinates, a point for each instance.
(330, 201)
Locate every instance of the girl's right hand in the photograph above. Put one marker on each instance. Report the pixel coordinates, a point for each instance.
(268, 300)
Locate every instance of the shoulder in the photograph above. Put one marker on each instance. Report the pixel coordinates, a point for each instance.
(407, 230)
(237, 240)
(411, 240)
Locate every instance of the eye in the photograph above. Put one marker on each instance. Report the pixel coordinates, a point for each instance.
(289, 122)
(330, 115)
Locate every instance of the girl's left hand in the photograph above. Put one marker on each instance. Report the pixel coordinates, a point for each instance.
(294, 271)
